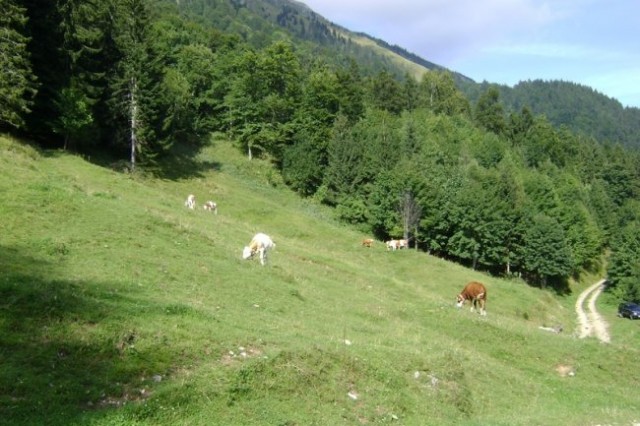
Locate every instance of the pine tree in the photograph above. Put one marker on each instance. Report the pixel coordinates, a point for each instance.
(351, 92)
(386, 93)
(623, 271)
(17, 81)
(82, 29)
(489, 113)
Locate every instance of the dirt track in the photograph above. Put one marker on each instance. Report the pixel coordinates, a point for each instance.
(591, 323)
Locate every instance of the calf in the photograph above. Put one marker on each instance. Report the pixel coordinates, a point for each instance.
(476, 293)
(211, 206)
(191, 202)
(392, 245)
(259, 244)
(367, 242)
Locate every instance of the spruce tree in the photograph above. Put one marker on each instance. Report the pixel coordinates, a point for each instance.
(134, 81)
(17, 81)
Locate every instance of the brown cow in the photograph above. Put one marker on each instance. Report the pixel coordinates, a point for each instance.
(367, 242)
(476, 293)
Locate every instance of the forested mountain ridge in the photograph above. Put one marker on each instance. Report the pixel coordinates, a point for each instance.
(578, 107)
(500, 190)
(262, 21)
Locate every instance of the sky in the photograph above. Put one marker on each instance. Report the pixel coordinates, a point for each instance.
(595, 43)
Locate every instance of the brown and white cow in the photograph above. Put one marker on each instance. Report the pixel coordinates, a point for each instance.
(211, 206)
(367, 242)
(476, 293)
(397, 244)
(260, 243)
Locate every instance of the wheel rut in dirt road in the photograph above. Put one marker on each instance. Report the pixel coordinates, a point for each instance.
(591, 323)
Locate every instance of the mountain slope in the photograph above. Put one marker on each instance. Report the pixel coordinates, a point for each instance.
(262, 21)
(121, 306)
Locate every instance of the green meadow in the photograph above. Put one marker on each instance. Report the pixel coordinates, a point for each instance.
(120, 306)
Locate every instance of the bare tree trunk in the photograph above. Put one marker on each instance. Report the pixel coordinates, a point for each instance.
(431, 95)
(133, 87)
(410, 213)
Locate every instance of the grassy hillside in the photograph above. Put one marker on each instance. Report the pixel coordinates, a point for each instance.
(412, 68)
(120, 306)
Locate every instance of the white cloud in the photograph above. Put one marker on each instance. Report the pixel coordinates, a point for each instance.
(505, 41)
(551, 50)
(438, 29)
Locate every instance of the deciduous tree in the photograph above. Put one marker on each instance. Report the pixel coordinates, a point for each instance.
(545, 252)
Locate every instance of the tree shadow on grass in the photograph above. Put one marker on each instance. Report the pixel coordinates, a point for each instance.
(558, 284)
(63, 351)
(182, 162)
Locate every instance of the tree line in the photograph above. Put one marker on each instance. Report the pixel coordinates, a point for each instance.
(505, 192)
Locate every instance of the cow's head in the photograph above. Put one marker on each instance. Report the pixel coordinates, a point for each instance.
(246, 252)
(459, 301)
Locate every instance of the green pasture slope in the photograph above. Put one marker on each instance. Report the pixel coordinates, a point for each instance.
(118, 306)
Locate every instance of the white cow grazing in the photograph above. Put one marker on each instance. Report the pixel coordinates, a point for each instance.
(211, 206)
(191, 201)
(259, 244)
(392, 245)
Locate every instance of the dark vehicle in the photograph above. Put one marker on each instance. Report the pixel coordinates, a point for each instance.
(629, 310)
